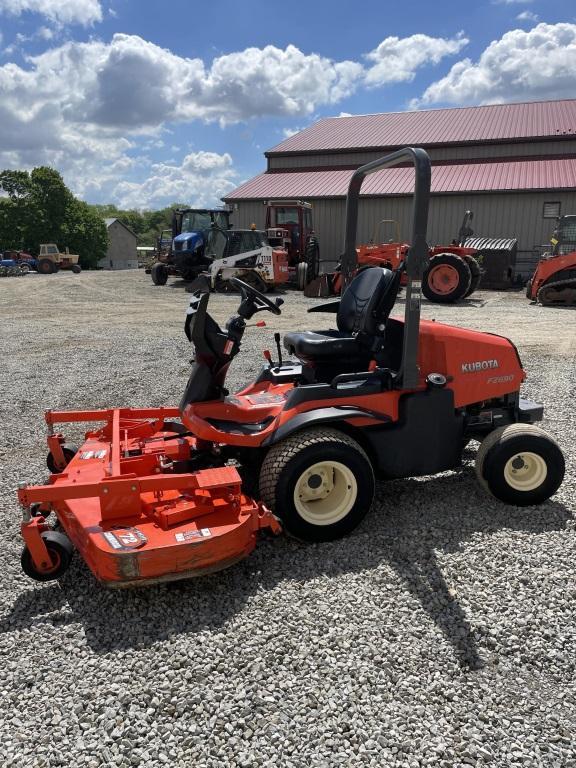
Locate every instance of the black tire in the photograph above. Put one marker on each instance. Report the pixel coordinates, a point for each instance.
(69, 452)
(476, 274)
(302, 275)
(312, 259)
(24, 268)
(76, 268)
(456, 268)
(159, 273)
(188, 275)
(46, 267)
(529, 289)
(520, 464)
(60, 549)
(284, 469)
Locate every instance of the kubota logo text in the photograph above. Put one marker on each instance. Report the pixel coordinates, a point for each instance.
(479, 365)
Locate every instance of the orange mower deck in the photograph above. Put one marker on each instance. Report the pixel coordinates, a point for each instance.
(133, 522)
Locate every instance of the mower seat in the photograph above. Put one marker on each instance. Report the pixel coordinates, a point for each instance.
(362, 314)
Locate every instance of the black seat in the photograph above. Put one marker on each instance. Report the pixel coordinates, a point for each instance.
(361, 318)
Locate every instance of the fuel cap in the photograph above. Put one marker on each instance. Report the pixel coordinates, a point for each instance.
(436, 380)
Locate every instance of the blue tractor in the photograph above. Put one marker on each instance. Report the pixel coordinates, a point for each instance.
(186, 255)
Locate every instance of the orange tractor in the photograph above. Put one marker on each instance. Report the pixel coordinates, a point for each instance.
(451, 273)
(554, 281)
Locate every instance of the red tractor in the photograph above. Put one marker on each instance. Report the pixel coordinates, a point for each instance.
(554, 281)
(289, 226)
(171, 492)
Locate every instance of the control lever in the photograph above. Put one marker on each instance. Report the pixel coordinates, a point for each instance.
(268, 357)
(277, 340)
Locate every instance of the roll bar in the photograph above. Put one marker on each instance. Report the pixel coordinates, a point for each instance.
(417, 253)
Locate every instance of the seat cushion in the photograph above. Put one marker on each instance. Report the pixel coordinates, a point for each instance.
(313, 345)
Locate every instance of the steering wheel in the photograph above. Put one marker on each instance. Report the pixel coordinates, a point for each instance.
(249, 291)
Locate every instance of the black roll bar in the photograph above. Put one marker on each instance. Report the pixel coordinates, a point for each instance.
(417, 253)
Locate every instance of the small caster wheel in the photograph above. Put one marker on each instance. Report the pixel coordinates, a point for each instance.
(69, 452)
(520, 464)
(60, 550)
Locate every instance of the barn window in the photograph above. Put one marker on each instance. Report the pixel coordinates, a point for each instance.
(551, 210)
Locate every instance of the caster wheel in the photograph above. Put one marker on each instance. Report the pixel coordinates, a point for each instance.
(520, 464)
(60, 550)
(69, 452)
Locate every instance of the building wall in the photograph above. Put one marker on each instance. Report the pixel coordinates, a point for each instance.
(495, 215)
(463, 152)
(121, 253)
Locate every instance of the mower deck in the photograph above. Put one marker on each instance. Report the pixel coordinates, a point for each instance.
(130, 509)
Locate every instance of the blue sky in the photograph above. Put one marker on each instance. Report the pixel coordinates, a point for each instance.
(145, 103)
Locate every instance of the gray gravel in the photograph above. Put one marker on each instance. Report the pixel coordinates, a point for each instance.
(441, 633)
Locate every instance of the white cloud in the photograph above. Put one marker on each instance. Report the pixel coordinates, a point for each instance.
(84, 12)
(204, 177)
(396, 59)
(512, 2)
(521, 65)
(527, 16)
(88, 108)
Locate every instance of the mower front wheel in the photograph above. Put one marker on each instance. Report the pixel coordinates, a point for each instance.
(69, 452)
(76, 268)
(60, 550)
(319, 482)
(520, 464)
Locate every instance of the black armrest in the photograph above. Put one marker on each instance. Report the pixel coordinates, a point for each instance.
(331, 306)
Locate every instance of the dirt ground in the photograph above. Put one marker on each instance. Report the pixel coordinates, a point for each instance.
(441, 632)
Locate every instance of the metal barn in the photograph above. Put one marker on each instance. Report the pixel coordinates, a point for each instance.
(513, 165)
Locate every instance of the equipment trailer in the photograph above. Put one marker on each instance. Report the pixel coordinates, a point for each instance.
(157, 494)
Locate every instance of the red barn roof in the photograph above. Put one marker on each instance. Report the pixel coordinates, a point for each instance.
(469, 177)
(497, 122)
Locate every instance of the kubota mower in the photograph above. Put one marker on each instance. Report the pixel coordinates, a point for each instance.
(162, 493)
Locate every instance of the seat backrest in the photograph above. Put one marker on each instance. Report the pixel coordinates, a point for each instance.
(368, 300)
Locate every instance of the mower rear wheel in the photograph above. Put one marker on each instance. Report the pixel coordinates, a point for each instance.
(69, 452)
(24, 268)
(159, 273)
(60, 550)
(319, 482)
(447, 279)
(520, 464)
(476, 273)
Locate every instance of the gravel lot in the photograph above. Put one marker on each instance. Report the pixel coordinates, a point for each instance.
(441, 633)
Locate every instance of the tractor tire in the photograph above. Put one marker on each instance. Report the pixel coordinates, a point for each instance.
(69, 452)
(319, 482)
(60, 550)
(529, 289)
(188, 275)
(159, 273)
(476, 273)
(312, 259)
(76, 268)
(446, 279)
(46, 267)
(520, 464)
(302, 275)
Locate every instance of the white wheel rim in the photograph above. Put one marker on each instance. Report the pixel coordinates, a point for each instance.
(325, 493)
(525, 471)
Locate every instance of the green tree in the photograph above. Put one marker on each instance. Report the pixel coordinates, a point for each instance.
(41, 209)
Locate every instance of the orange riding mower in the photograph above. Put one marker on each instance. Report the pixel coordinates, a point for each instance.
(168, 493)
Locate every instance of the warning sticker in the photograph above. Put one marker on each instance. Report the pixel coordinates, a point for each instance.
(189, 535)
(125, 538)
(93, 454)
